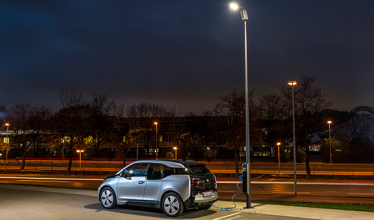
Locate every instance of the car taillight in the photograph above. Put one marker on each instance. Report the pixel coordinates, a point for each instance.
(195, 181)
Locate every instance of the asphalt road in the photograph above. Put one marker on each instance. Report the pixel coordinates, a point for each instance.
(23, 203)
(215, 167)
(226, 188)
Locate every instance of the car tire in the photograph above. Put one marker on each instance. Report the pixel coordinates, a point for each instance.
(172, 204)
(207, 207)
(108, 198)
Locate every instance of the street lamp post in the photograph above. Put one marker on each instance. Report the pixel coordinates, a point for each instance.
(7, 145)
(329, 122)
(80, 157)
(156, 139)
(293, 84)
(279, 165)
(244, 17)
(176, 152)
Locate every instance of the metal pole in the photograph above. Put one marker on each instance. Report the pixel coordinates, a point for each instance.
(80, 158)
(330, 144)
(279, 165)
(247, 139)
(156, 141)
(294, 140)
(137, 151)
(7, 148)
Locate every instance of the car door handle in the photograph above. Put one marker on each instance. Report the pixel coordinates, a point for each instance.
(141, 182)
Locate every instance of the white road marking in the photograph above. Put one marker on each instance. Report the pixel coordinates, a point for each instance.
(227, 216)
(276, 192)
(363, 194)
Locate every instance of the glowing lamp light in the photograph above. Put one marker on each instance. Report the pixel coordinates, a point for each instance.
(6, 124)
(329, 122)
(278, 143)
(155, 123)
(175, 148)
(292, 83)
(234, 6)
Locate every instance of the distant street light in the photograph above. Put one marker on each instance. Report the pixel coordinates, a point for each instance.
(80, 157)
(156, 139)
(279, 165)
(176, 152)
(244, 16)
(329, 122)
(293, 84)
(7, 145)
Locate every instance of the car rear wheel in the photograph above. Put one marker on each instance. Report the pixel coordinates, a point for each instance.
(172, 205)
(207, 207)
(108, 198)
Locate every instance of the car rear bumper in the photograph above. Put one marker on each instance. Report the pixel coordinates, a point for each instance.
(200, 201)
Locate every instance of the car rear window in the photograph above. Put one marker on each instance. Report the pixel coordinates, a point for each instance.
(197, 170)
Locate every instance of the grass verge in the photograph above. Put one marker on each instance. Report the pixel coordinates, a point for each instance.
(349, 207)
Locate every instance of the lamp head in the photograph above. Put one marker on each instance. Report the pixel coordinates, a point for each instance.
(329, 122)
(292, 83)
(7, 124)
(234, 6)
(175, 148)
(243, 12)
(155, 123)
(278, 143)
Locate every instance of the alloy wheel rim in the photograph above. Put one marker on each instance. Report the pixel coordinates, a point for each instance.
(107, 198)
(171, 205)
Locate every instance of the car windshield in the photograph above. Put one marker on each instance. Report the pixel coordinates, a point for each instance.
(198, 170)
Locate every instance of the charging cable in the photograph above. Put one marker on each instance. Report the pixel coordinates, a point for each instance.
(231, 208)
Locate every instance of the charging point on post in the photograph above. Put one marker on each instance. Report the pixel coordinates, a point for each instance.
(245, 183)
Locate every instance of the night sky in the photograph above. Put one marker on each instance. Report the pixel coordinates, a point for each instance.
(185, 53)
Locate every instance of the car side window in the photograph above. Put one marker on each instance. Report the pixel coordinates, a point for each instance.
(136, 170)
(173, 171)
(155, 171)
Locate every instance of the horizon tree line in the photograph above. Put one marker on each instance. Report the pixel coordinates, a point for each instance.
(98, 121)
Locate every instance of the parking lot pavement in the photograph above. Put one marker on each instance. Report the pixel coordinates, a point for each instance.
(33, 202)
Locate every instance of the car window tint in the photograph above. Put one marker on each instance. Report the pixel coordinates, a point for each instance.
(155, 171)
(137, 170)
(173, 171)
(198, 170)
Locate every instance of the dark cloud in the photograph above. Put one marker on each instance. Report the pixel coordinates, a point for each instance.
(186, 53)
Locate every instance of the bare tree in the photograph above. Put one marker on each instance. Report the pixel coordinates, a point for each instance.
(125, 130)
(145, 114)
(69, 124)
(193, 135)
(22, 129)
(233, 107)
(40, 121)
(100, 122)
(272, 110)
(309, 102)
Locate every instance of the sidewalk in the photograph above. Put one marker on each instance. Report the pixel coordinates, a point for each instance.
(300, 212)
(275, 210)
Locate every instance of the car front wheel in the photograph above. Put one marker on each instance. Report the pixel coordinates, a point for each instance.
(108, 198)
(172, 205)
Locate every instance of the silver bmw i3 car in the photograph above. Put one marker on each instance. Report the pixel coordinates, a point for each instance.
(170, 185)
